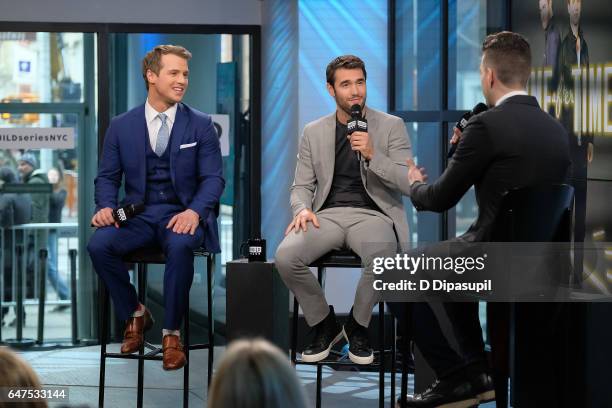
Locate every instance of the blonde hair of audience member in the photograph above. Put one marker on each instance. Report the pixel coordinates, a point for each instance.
(16, 372)
(255, 374)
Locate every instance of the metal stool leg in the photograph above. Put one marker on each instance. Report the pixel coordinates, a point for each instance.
(142, 276)
(319, 378)
(404, 377)
(211, 320)
(294, 329)
(393, 360)
(42, 296)
(187, 365)
(73, 295)
(321, 279)
(103, 295)
(381, 354)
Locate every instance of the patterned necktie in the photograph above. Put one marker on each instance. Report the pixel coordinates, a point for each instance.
(162, 136)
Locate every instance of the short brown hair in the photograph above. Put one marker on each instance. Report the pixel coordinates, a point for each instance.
(510, 55)
(346, 62)
(152, 61)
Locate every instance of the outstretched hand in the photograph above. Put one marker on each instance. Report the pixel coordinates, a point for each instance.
(415, 173)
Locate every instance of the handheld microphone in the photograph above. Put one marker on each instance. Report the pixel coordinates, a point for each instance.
(462, 123)
(357, 123)
(122, 214)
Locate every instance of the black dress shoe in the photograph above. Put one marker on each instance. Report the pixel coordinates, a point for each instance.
(483, 387)
(327, 333)
(360, 351)
(445, 393)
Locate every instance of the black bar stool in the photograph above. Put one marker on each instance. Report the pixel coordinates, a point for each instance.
(344, 259)
(142, 258)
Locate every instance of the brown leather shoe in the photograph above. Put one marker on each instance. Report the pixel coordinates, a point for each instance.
(134, 329)
(174, 357)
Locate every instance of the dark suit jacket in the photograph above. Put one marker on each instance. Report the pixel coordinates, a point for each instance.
(195, 164)
(515, 144)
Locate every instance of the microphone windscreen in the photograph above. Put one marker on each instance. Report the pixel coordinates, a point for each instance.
(481, 107)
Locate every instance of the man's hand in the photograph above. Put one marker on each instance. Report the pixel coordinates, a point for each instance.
(185, 222)
(360, 141)
(456, 136)
(301, 220)
(103, 218)
(415, 173)
(589, 152)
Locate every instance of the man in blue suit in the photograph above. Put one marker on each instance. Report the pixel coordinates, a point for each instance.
(170, 159)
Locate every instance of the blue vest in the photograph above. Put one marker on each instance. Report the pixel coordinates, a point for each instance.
(159, 189)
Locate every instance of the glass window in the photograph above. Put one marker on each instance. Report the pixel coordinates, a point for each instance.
(25, 218)
(425, 138)
(467, 27)
(465, 212)
(41, 67)
(417, 67)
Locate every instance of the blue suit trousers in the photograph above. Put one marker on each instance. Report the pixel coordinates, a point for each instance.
(109, 244)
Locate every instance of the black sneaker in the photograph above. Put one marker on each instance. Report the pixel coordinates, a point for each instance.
(327, 333)
(360, 351)
(483, 387)
(447, 393)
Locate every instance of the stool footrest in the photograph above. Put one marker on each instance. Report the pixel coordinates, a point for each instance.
(199, 346)
(337, 363)
(134, 356)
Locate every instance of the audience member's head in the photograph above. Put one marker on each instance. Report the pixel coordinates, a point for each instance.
(26, 164)
(17, 373)
(55, 176)
(255, 374)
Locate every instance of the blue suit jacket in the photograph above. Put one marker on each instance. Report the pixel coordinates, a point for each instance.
(195, 165)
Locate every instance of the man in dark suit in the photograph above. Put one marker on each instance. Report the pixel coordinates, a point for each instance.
(169, 156)
(513, 144)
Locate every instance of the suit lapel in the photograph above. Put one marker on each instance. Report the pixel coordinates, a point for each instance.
(176, 135)
(328, 145)
(372, 130)
(140, 148)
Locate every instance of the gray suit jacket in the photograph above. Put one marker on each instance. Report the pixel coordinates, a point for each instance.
(385, 177)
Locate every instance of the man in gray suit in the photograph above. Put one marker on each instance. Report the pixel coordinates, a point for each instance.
(351, 201)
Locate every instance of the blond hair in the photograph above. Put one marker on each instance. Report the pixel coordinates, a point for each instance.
(152, 61)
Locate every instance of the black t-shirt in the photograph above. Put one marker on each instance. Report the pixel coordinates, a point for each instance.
(347, 189)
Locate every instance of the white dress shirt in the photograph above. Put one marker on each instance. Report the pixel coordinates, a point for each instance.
(508, 95)
(154, 122)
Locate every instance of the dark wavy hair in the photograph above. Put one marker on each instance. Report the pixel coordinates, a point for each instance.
(346, 62)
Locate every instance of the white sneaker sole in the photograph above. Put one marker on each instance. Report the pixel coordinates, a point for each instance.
(468, 403)
(357, 359)
(487, 396)
(313, 358)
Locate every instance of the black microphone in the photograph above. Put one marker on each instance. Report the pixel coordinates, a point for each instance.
(122, 214)
(357, 124)
(462, 123)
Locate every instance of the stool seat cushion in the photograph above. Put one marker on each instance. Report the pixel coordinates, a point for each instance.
(343, 258)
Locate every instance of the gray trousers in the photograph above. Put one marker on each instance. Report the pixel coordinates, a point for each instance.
(368, 233)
